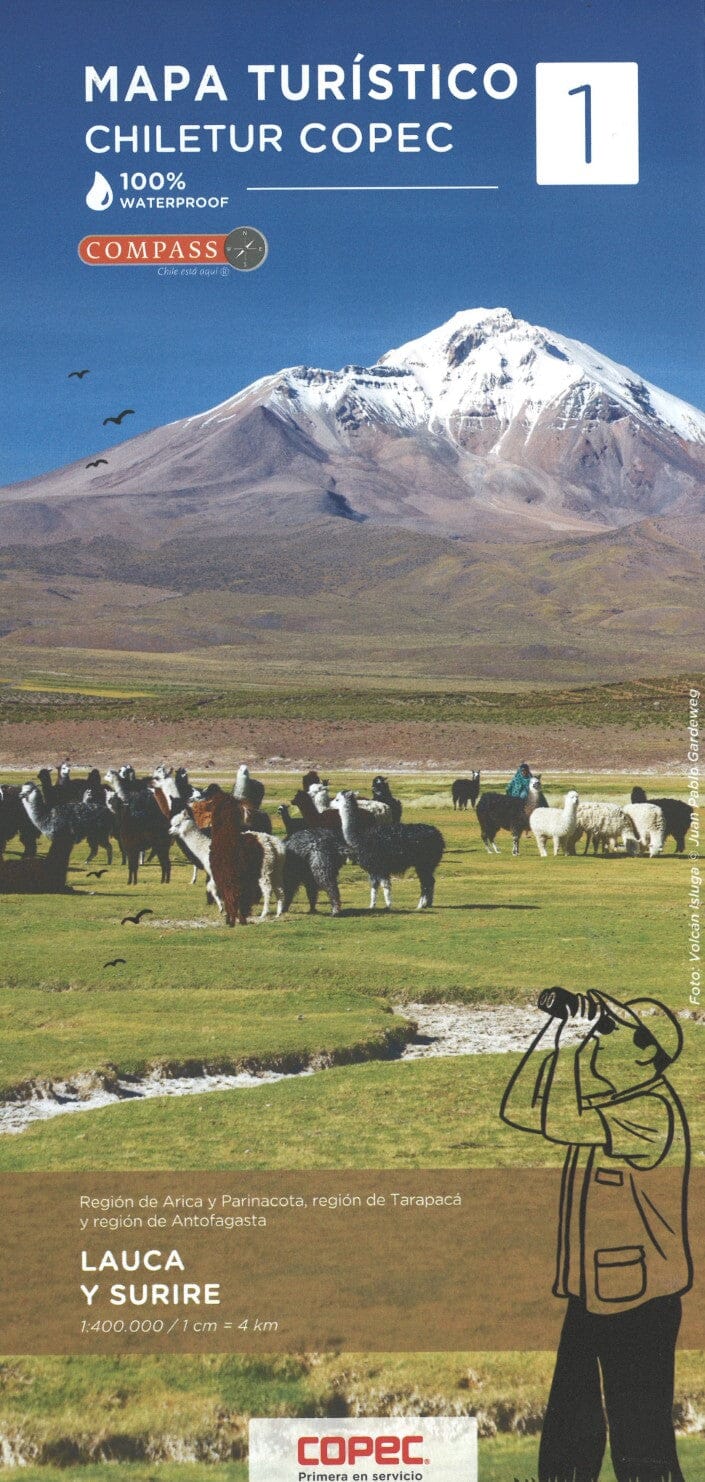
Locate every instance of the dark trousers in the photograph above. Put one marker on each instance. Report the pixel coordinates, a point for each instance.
(614, 1371)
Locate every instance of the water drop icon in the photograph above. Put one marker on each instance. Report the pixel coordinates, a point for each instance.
(100, 195)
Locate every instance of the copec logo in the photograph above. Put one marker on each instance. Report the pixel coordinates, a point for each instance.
(364, 1449)
(385, 1450)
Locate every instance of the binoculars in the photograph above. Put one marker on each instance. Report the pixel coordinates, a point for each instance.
(560, 1003)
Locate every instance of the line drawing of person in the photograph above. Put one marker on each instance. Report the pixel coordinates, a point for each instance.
(593, 1079)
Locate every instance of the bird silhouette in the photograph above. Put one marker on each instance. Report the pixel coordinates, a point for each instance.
(146, 911)
(96, 461)
(97, 873)
(128, 412)
(114, 961)
(80, 374)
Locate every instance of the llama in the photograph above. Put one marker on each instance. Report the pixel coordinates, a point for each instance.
(95, 794)
(497, 810)
(67, 789)
(309, 778)
(172, 792)
(14, 820)
(248, 788)
(677, 816)
(196, 845)
(271, 880)
(382, 793)
(559, 824)
(649, 825)
(253, 818)
(175, 786)
(319, 794)
(313, 858)
(374, 807)
(271, 875)
(100, 834)
(39, 875)
(604, 824)
(131, 783)
(466, 790)
(142, 826)
(291, 825)
(49, 788)
(315, 817)
(392, 849)
(72, 789)
(370, 812)
(79, 820)
(236, 857)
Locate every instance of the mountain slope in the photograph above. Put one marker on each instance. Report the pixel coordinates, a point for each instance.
(487, 427)
(358, 599)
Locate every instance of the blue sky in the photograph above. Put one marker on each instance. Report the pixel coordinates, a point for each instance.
(348, 275)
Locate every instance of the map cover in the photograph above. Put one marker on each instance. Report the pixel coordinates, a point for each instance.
(352, 544)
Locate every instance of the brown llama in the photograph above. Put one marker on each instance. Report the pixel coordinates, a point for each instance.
(330, 817)
(314, 817)
(236, 857)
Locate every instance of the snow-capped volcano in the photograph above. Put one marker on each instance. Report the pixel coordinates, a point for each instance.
(484, 363)
(487, 426)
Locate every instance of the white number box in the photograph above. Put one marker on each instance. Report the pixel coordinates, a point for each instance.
(587, 123)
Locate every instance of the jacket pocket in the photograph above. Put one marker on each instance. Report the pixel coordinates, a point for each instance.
(609, 1176)
(620, 1273)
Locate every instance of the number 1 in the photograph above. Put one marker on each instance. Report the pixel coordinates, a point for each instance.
(587, 90)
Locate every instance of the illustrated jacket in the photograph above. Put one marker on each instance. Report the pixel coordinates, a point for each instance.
(622, 1225)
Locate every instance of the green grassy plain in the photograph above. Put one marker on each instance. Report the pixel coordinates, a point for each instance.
(501, 1460)
(282, 993)
(102, 686)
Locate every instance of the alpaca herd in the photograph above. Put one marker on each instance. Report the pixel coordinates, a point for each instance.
(640, 826)
(225, 836)
(228, 837)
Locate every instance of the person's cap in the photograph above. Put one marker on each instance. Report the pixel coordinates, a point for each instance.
(649, 1014)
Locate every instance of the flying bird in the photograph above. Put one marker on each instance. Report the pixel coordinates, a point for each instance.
(96, 461)
(114, 961)
(128, 412)
(80, 374)
(97, 873)
(146, 911)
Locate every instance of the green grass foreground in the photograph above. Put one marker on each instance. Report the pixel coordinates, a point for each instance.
(148, 1413)
(283, 993)
(146, 1471)
(503, 1460)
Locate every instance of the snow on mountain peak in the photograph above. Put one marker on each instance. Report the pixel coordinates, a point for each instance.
(485, 362)
(470, 381)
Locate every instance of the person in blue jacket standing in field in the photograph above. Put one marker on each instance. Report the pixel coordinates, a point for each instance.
(519, 785)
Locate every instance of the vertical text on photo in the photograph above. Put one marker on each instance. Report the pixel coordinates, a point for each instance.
(695, 879)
